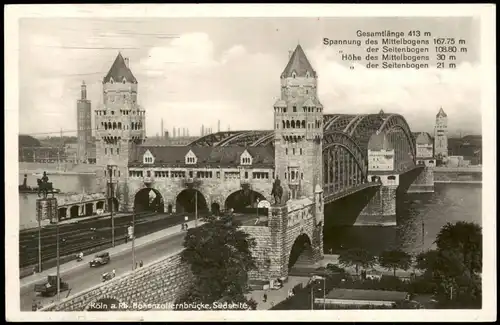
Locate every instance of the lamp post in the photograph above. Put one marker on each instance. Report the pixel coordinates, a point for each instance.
(40, 244)
(131, 233)
(58, 264)
(258, 207)
(196, 208)
(111, 169)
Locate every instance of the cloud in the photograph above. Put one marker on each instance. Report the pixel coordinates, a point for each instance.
(190, 81)
(416, 94)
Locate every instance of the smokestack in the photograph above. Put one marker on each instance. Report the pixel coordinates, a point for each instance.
(218, 126)
(127, 63)
(179, 132)
(187, 132)
(173, 133)
(166, 134)
(202, 130)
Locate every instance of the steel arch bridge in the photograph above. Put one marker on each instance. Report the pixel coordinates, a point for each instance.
(345, 146)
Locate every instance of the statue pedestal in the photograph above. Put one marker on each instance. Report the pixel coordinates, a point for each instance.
(47, 209)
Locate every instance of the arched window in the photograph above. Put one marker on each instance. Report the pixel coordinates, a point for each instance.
(114, 125)
(283, 124)
(292, 124)
(303, 124)
(287, 124)
(119, 125)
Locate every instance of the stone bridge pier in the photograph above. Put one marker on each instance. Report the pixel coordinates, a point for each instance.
(293, 235)
(424, 183)
(381, 209)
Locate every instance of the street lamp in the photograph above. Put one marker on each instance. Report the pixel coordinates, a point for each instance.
(313, 280)
(258, 207)
(57, 259)
(195, 208)
(111, 169)
(131, 234)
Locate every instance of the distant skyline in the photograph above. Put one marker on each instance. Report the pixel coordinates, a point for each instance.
(194, 71)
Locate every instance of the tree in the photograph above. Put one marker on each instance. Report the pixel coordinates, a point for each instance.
(458, 265)
(219, 255)
(466, 240)
(425, 261)
(356, 257)
(395, 259)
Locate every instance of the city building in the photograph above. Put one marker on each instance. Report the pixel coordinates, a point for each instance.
(120, 125)
(441, 135)
(84, 126)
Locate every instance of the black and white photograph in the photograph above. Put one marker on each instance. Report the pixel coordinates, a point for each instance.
(195, 163)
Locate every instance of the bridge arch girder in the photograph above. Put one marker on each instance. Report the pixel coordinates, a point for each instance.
(396, 121)
(266, 139)
(211, 140)
(344, 163)
(243, 138)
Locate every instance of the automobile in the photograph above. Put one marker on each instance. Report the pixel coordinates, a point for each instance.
(100, 259)
(49, 288)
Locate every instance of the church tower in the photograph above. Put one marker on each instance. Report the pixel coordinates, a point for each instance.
(120, 126)
(84, 125)
(298, 125)
(441, 134)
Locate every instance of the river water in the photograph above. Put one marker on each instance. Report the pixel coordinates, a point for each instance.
(420, 216)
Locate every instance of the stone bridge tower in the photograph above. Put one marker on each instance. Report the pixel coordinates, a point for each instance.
(120, 127)
(441, 135)
(298, 125)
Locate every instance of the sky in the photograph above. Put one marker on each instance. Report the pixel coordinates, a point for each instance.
(194, 71)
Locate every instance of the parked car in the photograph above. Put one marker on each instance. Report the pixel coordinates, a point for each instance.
(49, 288)
(100, 259)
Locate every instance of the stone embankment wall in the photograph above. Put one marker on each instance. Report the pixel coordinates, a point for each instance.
(158, 283)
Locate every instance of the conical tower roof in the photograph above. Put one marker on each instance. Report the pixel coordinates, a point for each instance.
(299, 64)
(441, 113)
(118, 71)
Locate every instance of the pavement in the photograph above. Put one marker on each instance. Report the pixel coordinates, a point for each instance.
(276, 296)
(80, 276)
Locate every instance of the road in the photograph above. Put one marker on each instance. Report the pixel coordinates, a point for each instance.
(86, 277)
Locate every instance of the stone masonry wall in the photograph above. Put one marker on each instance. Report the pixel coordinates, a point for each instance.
(381, 210)
(424, 183)
(214, 190)
(160, 283)
(263, 252)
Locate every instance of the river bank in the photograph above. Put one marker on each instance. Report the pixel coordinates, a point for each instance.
(58, 169)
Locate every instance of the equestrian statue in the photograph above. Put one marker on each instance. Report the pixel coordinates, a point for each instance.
(277, 191)
(44, 186)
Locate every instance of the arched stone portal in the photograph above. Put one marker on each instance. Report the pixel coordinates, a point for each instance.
(62, 213)
(148, 199)
(115, 204)
(215, 208)
(187, 199)
(301, 252)
(245, 201)
(89, 209)
(105, 304)
(73, 211)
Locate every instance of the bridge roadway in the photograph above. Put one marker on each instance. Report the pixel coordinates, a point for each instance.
(84, 277)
